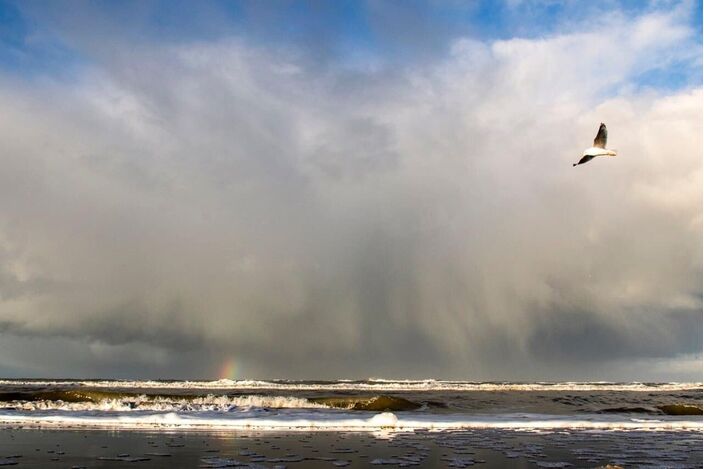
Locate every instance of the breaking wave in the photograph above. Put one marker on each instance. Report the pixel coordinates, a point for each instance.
(116, 401)
(349, 404)
(375, 384)
(121, 402)
(375, 403)
(328, 420)
(681, 409)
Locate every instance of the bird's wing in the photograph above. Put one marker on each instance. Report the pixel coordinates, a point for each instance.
(600, 139)
(585, 159)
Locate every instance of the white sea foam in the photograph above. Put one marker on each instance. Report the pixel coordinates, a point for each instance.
(171, 404)
(331, 420)
(376, 384)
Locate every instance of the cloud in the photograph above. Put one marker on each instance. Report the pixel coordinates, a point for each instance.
(182, 203)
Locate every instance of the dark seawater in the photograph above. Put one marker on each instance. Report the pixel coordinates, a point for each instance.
(351, 404)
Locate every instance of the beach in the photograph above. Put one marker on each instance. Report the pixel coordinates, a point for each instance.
(324, 449)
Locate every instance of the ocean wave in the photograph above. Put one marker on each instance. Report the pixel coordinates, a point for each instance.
(670, 409)
(374, 403)
(375, 384)
(122, 402)
(118, 401)
(630, 410)
(680, 409)
(328, 420)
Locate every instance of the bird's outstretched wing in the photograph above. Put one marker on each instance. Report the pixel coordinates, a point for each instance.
(585, 159)
(600, 139)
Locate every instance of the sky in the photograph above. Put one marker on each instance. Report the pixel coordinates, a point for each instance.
(350, 189)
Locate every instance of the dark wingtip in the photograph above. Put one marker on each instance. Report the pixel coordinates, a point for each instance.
(574, 164)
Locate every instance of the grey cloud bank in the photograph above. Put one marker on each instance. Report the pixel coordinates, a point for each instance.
(178, 206)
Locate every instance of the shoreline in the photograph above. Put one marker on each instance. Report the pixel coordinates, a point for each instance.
(343, 421)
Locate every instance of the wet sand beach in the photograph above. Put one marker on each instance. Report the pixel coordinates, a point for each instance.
(78, 448)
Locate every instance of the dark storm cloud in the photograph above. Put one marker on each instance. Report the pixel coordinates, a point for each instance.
(186, 202)
(584, 336)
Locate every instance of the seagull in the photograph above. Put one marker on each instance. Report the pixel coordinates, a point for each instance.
(598, 149)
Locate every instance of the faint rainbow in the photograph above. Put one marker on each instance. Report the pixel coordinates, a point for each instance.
(229, 369)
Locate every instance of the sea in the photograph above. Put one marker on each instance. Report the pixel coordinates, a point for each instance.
(357, 405)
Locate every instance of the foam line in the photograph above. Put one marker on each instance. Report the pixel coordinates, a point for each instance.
(339, 421)
(379, 385)
(171, 404)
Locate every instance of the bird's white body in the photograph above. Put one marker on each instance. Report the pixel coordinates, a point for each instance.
(596, 151)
